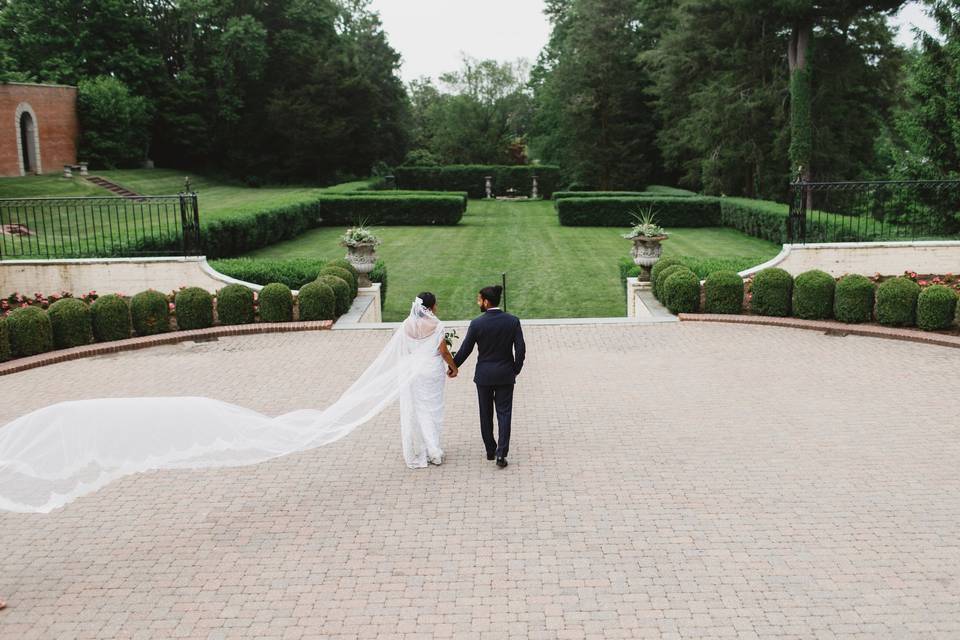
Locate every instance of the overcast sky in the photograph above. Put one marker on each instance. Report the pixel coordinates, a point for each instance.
(431, 34)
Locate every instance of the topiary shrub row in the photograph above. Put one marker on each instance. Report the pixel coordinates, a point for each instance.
(680, 290)
(936, 308)
(70, 322)
(723, 293)
(771, 293)
(618, 212)
(4, 340)
(294, 272)
(233, 236)
(472, 178)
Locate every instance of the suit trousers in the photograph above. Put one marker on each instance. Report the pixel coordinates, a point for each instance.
(500, 396)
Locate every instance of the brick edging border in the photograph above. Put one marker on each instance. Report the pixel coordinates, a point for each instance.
(830, 326)
(144, 342)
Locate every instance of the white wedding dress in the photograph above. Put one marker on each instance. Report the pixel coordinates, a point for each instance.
(56, 454)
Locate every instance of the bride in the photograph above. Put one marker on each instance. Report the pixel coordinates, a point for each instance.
(56, 454)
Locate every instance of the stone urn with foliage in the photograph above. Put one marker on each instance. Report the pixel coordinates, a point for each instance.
(646, 235)
(361, 244)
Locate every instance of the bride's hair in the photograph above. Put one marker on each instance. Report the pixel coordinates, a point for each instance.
(429, 300)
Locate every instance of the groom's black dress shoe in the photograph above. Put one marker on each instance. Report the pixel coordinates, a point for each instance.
(491, 456)
(501, 462)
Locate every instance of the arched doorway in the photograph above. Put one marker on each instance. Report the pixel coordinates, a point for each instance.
(28, 140)
(27, 152)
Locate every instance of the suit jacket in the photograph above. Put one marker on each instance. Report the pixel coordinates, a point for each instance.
(501, 350)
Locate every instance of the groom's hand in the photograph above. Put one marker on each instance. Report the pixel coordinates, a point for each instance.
(452, 372)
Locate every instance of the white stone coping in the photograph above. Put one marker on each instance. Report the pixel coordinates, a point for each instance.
(814, 246)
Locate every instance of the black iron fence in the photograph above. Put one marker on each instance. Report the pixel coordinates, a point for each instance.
(874, 211)
(99, 227)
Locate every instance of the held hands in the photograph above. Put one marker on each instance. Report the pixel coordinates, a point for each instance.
(452, 372)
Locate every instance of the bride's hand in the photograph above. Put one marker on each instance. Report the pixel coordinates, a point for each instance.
(452, 372)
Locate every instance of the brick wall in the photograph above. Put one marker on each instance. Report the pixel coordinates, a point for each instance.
(54, 108)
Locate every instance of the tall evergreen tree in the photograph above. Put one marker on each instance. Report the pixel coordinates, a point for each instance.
(592, 87)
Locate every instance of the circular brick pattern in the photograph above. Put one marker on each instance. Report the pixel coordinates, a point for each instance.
(680, 480)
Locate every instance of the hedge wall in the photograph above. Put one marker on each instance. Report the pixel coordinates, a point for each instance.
(617, 212)
(293, 272)
(757, 218)
(233, 236)
(472, 178)
(406, 192)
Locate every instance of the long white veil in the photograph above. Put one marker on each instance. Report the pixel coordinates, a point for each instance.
(56, 454)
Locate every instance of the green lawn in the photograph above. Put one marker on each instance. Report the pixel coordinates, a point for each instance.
(217, 198)
(552, 271)
(48, 186)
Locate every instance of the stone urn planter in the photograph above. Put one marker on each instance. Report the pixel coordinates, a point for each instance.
(646, 252)
(363, 257)
(361, 244)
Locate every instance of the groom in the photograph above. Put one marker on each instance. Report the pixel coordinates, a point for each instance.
(499, 339)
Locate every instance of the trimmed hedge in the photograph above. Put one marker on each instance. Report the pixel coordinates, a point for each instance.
(194, 308)
(662, 277)
(276, 303)
(658, 266)
(472, 178)
(853, 299)
(681, 291)
(344, 275)
(662, 190)
(618, 212)
(723, 293)
(235, 305)
(379, 274)
(30, 332)
(233, 236)
(897, 302)
(343, 263)
(293, 272)
(771, 293)
(406, 192)
(110, 315)
(561, 195)
(70, 323)
(936, 308)
(757, 218)
(150, 313)
(317, 301)
(813, 293)
(4, 340)
(341, 291)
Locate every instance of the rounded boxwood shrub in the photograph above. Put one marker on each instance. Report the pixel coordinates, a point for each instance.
(4, 340)
(771, 293)
(30, 332)
(70, 323)
(343, 263)
(813, 295)
(853, 299)
(723, 292)
(150, 313)
(111, 318)
(344, 275)
(317, 301)
(235, 305)
(681, 292)
(661, 265)
(194, 308)
(341, 290)
(897, 302)
(276, 303)
(936, 308)
(662, 277)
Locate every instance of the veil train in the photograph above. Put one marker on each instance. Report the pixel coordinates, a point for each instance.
(56, 454)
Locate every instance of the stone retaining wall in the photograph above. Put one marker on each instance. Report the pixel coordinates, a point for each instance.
(867, 258)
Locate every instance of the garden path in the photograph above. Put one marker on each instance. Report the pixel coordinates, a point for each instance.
(676, 480)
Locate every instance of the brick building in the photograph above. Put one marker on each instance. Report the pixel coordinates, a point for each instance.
(39, 129)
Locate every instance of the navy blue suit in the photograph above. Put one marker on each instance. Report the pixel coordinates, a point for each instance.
(501, 352)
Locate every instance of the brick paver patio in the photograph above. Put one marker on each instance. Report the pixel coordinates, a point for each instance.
(683, 480)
